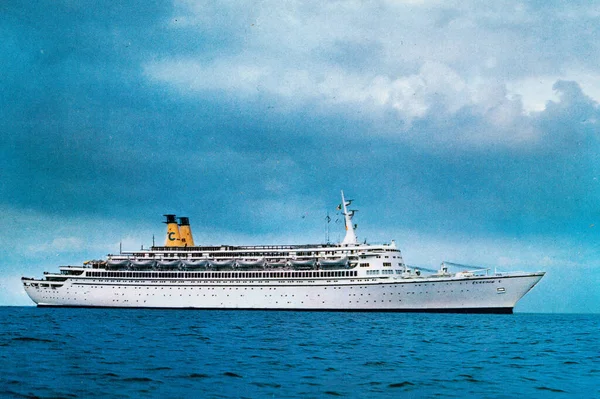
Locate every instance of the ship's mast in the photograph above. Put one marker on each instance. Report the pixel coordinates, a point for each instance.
(350, 237)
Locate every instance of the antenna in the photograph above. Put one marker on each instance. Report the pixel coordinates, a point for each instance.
(328, 219)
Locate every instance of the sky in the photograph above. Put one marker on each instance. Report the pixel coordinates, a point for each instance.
(465, 131)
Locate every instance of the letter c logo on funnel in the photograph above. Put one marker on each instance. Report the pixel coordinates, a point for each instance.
(170, 236)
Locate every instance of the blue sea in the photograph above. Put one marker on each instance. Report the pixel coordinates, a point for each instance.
(121, 353)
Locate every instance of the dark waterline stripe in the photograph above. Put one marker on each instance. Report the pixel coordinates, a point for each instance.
(505, 310)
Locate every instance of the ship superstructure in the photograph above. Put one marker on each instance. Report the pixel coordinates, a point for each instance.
(345, 276)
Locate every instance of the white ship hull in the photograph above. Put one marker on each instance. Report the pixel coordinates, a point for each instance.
(475, 294)
(349, 276)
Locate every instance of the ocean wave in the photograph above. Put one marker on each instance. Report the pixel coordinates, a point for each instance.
(32, 339)
(230, 374)
(402, 384)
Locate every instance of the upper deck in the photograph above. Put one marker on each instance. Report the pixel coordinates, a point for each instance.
(265, 251)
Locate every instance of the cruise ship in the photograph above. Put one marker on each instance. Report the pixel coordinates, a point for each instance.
(345, 276)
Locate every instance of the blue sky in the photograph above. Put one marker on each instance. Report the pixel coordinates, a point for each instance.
(466, 131)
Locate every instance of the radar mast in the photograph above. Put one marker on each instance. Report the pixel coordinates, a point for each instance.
(350, 237)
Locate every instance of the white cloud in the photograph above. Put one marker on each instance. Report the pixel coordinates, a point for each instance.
(393, 60)
(537, 91)
(12, 292)
(60, 244)
(42, 235)
(435, 85)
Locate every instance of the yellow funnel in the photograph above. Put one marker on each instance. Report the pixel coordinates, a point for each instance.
(173, 237)
(185, 232)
